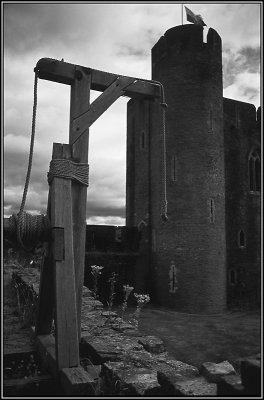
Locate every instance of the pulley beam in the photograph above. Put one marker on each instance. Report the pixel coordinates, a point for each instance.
(62, 72)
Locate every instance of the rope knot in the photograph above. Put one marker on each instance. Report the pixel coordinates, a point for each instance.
(68, 169)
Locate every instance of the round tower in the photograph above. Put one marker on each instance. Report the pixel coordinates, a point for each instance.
(188, 251)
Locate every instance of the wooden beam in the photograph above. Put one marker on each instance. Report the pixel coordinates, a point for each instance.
(67, 344)
(80, 101)
(45, 345)
(62, 72)
(46, 299)
(77, 382)
(100, 105)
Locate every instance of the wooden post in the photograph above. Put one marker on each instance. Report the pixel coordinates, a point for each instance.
(80, 101)
(46, 291)
(67, 344)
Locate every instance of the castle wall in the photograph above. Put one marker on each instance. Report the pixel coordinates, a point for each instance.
(242, 136)
(195, 259)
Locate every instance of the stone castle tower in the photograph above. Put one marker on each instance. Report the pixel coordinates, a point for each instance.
(184, 260)
(187, 256)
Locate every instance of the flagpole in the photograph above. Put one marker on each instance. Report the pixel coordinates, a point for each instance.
(182, 13)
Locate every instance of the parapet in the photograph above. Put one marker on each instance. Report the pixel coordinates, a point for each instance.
(187, 37)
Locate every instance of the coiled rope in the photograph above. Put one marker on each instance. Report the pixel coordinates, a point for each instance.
(29, 228)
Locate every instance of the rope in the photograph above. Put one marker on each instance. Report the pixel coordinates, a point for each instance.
(69, 170)
(31, 228)
(164, 204)
(164, 105)
(21, 214)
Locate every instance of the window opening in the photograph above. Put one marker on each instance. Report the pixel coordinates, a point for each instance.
(237, 118)
(174, 169)
(242, 239)
(211, 121)
(142, 140)
(212, 211)
(254, 172)
(232, 277)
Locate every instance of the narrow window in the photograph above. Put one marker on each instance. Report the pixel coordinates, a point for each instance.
(254, 171)
(232, 277)
(142, 140)
(118, 234)
(211, 121)
(241, 239)
(237, 118)
(251, 174)
(174, 172)
(212, 211)
(154, 245)
(257, 174)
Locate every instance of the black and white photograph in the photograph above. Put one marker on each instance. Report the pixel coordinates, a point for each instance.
(132, 213)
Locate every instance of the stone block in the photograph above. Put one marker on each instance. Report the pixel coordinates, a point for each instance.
(110, 348)
(251, 376)
(131, 380)
(230, 385)
(109, 314)
(193, 387)
(214, 372)
(152, 344)
(170, 370)
(86, 292)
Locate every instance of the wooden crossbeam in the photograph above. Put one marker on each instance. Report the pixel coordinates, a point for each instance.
(62, 72)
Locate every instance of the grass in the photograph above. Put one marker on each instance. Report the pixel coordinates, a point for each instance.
(196, 339)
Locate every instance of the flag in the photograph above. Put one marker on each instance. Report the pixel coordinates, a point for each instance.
(191, 17)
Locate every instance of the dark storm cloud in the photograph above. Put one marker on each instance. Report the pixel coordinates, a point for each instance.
(102, 210)
(29, 26)
(91, 34)
(246, 59)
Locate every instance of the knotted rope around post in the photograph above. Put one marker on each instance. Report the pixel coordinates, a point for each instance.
(68, 169)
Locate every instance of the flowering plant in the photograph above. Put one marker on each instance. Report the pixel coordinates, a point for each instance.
(127, 289)
(96, 271)
(142, 299)
(112, 281)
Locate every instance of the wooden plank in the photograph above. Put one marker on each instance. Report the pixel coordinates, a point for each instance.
(77, 382)
(67, 345)
(62, 72)
(46, 302)
(45, 345)
(80, 100)
(100, 105)
(46, 298)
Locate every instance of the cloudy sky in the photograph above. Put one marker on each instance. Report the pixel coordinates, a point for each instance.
(117, 38)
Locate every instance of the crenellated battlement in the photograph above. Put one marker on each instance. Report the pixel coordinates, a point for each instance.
(188, 38)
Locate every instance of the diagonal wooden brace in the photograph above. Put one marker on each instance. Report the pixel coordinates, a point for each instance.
(81, 123)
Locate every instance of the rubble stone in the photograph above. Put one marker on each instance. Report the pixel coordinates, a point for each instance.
(213, 372)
